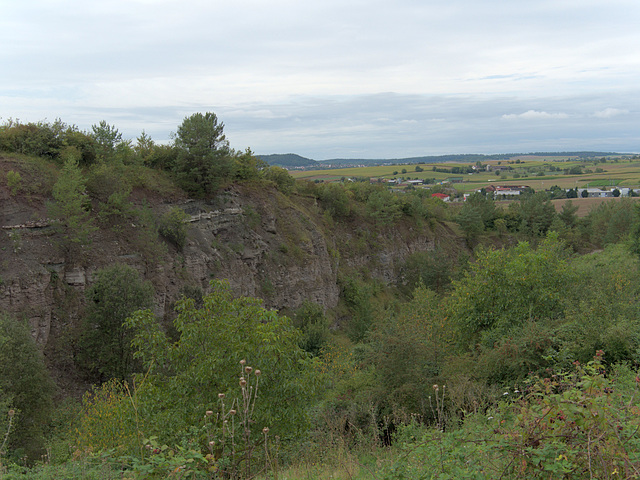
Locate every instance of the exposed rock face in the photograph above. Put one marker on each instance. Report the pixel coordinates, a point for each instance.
(266, 245)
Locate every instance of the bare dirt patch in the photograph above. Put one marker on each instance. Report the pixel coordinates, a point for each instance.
(585, 205)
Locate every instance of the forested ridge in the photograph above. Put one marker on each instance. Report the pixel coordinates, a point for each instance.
(464, 340)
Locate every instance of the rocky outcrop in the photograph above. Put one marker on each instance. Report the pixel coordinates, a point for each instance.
(265, 244)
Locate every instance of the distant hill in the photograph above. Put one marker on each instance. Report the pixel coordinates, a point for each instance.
(288, 160)
(291, 160)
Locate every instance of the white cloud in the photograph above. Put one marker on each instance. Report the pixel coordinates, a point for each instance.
(610, 112)
(534, 115)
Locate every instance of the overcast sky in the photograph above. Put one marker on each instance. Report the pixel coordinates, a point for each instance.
(334, 78)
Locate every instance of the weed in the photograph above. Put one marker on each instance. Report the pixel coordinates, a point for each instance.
(10, 418)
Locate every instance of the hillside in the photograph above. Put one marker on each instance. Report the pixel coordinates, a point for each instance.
(266, 244)
(291, 160)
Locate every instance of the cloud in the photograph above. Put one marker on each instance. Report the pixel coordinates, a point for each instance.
(610, 112)
(535, 115)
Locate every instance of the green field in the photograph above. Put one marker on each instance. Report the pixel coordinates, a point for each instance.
(539, 173)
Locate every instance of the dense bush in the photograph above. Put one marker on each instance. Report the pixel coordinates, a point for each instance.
(173, 226)
(26, 392)
(116, 293)
(183, 378)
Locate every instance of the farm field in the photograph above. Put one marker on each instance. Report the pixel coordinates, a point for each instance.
(539, 173)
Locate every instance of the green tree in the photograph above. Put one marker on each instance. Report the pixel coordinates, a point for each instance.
(432, 269)
(185, 376)
(246, 166)
(485, 206)
(383, 207)
(506, 288)
(537, 213)
(203, 159)
(314, 325)
(280, 177)
(568, 214)
(117, 292)
(144, 147)
(25, 388)
(173, 226)
(470, 221)
(335, 200)
(408, 350)
(70, 207)
(107, 137)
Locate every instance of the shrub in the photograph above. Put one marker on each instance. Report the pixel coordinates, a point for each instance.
(117, 292)
(314, 325)
(25, 388)
(14, 181)
(173, 227)
(186, 376)
(70, 208)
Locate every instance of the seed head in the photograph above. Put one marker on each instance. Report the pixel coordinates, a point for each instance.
(248, 369)
(212, 443)
(243, 382)
(232, 412)
(265, 430)
(258, 372)
(12, 412)
(209, 413)
(243, 361)
(435, 387)
(221, 395)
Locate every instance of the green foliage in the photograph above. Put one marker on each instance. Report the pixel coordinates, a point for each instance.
(536, 213)
(14, 181)
(433, 269)
(107, 138)
(357, 297)
(610, 222)
(173, 226)
(577, 425)
(108, 183)
(314, 325)
(203, 158)
(246, 166)
(280, 177)
(335, 200)
(70, 207)
(504, 289)
(185, 377)
(117, 292)
(144, 147)
(568, 214)
(44, 139)
(485, 208)
(408, 350)
(602, 306)
(383, 207)
(470, 221)
(25, 392)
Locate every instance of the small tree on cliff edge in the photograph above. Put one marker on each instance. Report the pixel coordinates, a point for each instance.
(70, 209)
(204, 158)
